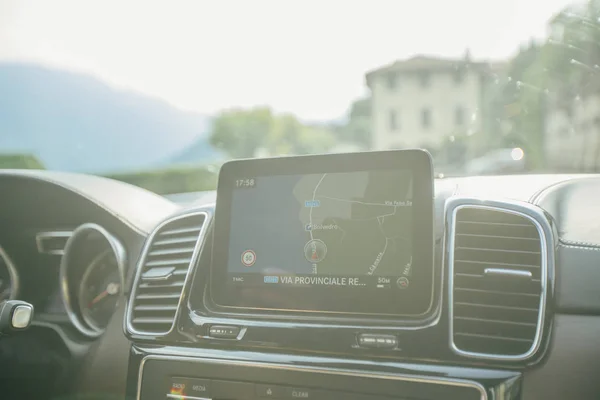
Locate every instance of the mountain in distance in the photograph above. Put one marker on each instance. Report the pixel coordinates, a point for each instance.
(198, 152)
(74, 122)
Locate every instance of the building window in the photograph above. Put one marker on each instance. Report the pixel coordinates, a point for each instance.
(459, 116)
(424, 78)
(391, 81)
(393, 121)
(426, 118)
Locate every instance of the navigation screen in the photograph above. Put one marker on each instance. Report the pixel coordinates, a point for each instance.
(349, 234)
(330, 229)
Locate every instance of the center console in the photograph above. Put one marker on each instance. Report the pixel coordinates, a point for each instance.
(340, 276)
(190, 378)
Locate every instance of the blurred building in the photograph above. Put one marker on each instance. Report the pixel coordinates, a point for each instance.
(424, 101)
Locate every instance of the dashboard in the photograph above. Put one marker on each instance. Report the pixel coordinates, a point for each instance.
(304, 278)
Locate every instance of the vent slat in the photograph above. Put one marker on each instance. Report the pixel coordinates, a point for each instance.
(155, 301)
(179, 231)
(155, 308)
(468, 281)
(497, 264)
(497, 250)
(497, 256)
(515, 231)
(167, 252)
(494, 329)
(158, 296)
(160, 263)
(161, 285)
(497, 292)
(493, 242)
(495, 321)
(495, 312)
(498, 299)
(495, 306)
(152, 320)
(500, 338)
(167, 242)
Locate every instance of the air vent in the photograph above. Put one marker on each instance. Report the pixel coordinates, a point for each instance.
(162, 275)
(52, 242)
(498, 272)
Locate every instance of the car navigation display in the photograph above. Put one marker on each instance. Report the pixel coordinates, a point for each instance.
(346, 239)
(335, 229)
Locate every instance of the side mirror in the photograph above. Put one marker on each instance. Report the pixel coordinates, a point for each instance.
(15, 315)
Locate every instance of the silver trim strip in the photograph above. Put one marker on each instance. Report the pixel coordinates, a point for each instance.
(180, 397)
(40, 236)
(453, 205)
(12, 273)
(514, 273)
(139, 266)
(326, 371)
(120, 255)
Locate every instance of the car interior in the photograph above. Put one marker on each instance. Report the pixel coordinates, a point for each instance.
(341, 276)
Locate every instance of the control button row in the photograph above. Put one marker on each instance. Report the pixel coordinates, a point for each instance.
(191, 388)
(266, 391)
(224, 331)
(376, 341)
(205, 389)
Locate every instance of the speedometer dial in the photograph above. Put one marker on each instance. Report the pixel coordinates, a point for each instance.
(100, 291)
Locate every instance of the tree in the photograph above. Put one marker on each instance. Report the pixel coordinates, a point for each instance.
(358, 128)
(20, 161)
(241, 132)
(285, 136)
(313, 140)
(559, 73)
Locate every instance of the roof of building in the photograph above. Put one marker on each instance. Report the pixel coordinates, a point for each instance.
(433, 63)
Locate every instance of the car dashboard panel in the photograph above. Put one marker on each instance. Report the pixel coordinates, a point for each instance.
(515, 308)
(498, 249)
(41, 242)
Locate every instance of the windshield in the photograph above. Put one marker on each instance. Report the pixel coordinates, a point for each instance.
(159, 94)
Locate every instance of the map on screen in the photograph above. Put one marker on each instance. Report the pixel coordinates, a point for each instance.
(336, 224)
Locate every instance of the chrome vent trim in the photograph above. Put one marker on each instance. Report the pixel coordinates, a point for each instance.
(521, 209)
(146, 252)
(42, 238)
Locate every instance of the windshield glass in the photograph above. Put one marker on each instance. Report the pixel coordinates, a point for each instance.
(159, 94)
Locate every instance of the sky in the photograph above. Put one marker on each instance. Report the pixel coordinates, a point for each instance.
(307, 57)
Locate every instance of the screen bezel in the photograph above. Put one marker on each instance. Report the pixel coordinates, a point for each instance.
(417, 161)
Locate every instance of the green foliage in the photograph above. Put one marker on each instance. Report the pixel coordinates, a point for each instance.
(315, 140)
(20, 161)
(358, 128)
(360, 108)
(241, 133)
(172, 180)
(554, 74)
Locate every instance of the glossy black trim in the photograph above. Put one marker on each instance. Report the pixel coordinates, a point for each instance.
(418, 162)
(334, 338)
